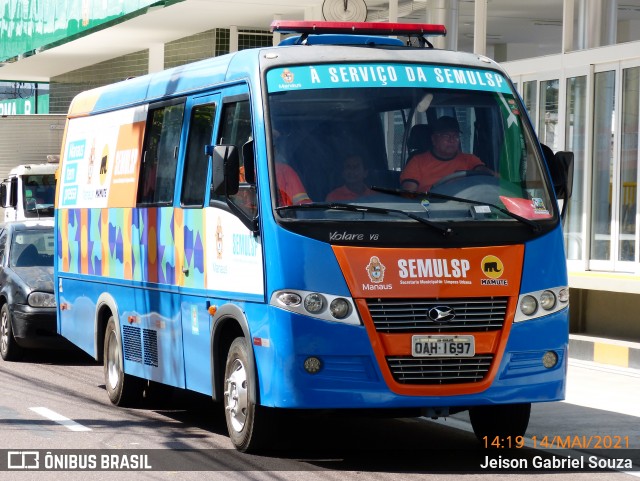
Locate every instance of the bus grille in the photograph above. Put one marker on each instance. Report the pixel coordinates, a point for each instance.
(412, 315)
(411, 370)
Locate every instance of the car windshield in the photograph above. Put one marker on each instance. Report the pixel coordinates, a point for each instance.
(38, 194)
(398, 142)
(32, 247)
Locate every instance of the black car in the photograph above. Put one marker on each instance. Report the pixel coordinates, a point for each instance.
(27, 302)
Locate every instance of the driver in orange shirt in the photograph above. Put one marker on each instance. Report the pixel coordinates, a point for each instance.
(445, 158)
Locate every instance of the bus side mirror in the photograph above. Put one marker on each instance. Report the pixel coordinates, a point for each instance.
(225, 167)
(560, 167)
(3, 195)
(565, 159)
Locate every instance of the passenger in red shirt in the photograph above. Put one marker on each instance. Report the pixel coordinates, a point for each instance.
(445, 158)
(354, 175)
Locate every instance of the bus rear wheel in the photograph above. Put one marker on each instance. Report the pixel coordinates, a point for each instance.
(499, 420)
(123, 389)
(247, 423)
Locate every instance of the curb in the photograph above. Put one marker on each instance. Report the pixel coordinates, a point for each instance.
(604, 351)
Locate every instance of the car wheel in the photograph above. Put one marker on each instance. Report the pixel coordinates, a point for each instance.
(9, 348)
(123, 389)
(247, 423)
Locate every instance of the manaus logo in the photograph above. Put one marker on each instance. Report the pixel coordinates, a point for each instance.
(287, 76)
(219, 236)
(375, 270)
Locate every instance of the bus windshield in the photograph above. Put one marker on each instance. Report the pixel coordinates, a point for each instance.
(403, 143)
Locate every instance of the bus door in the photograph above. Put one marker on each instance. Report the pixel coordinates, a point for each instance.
(221, 249)
(200, 115)
(234, 251)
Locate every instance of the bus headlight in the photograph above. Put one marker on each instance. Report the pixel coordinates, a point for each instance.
(533, 305)
(327, 307)
(339, 308)
(314, 303)
(289, 298)
(547, 300)
(528, 305)
(563, 295)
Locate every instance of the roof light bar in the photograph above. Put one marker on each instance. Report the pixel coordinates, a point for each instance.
(364, 28)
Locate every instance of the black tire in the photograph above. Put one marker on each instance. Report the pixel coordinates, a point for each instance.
(500, 420)
(248, 424)
(9, 349)
(123, 389)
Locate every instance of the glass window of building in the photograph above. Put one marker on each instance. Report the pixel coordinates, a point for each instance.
(576, 142)
(548, 120)
(629, 131)
(603, 160)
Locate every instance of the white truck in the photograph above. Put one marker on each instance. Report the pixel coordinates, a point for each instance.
(29, 190)
(27, 169)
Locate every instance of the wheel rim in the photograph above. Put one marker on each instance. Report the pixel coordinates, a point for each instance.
(236, 395)
(5, 332)
(113, 361)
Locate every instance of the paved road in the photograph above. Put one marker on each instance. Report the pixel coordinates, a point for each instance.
(51, 403)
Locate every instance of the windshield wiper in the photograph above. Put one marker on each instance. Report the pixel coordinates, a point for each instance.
(445, 231)
(411, 193)
(524, 220)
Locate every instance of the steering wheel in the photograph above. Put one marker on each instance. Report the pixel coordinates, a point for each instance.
(479, 185)
(461, 174)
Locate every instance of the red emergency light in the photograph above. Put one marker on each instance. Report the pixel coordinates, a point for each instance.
(364, 28)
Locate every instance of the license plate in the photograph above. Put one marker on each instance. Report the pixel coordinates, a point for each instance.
(443, 346)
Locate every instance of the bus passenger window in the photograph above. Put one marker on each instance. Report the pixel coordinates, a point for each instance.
(158, 170)
(236, 129)
(196, 164)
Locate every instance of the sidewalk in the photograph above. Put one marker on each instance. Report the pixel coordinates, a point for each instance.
(604, 351)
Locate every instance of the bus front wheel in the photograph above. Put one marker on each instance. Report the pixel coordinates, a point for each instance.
(499, 420)
(246, 422)
(123, 389)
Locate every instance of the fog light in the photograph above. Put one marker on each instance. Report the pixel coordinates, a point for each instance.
(547, 300)
(312, 365)
(550, 359)
(339, 308)
(528, 305)
(314, 303)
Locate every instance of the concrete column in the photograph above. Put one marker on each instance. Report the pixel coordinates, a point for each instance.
(156, 58)
(444, 12)
(597, 23)
(393, 11)
(277, 36)
(480, 27)
(568, 14)
(233, 38)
